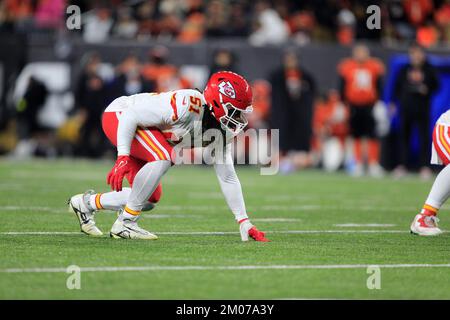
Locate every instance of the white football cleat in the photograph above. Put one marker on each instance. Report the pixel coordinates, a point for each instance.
(79, 205)
(423, 225)
(129, 229)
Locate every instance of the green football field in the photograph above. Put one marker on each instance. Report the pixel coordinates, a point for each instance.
(326, 229)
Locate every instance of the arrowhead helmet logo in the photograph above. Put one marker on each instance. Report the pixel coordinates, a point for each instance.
(227, 89)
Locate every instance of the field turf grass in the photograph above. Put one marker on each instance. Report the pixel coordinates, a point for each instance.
(184, 264)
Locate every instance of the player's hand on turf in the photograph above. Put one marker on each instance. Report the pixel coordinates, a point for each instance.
(118, 172)
(257, 235)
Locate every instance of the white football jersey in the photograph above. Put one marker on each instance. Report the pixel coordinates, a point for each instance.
(444, 119)
(174, 112)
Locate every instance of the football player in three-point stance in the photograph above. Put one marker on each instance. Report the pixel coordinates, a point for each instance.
(425, 223)
(145, 128)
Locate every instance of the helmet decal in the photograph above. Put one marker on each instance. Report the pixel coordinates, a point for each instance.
(226, 88)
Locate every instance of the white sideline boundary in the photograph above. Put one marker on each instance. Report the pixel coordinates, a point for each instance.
(205, 233)
(203, 268)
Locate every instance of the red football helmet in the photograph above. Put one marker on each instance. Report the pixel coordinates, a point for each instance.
(229, 97)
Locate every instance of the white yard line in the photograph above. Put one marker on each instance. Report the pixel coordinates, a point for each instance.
(50, 233)
(32, 208)
(339, 231)
(279, 219)
(238, 267)
(364, 225)
(310, 299)
(39, 233)
(169, 216)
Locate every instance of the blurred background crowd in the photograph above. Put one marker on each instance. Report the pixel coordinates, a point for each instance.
(261, 22)
(344, 96)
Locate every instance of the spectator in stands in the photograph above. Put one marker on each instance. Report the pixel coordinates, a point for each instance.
(146, 20)
(330, 119)
(166, 76)
(168, 26)
(360, 86)
(402, 29)
(90, 101)
(269, 27)
(428, 35)
(5, 18)
(330, 131)
(258, 119)
(442, 18)
(32, 137)
(418, 11)
(238, 21)
(97, 25)
(92, 142)
(346, 32)
(126, 27)
(261, 104)
(157, 65)
(16, 14)
(129, 80)
(216, 19)
(90, 68)
(223, 60)
(50, 13)
(302, 24)
(415, 84)
(293, 91)
(29, 106)
(193, 29)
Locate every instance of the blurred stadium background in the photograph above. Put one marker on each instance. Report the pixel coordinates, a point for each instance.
(55, 82)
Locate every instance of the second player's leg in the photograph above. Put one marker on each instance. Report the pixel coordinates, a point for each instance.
(425, 223)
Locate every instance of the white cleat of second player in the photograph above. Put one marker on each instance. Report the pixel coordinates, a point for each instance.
(424, 225)
(78, 205)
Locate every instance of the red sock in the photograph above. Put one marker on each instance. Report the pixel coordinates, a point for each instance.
(429, 210)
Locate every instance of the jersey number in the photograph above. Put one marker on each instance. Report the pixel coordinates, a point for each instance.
(363, 80)
(194, 105)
